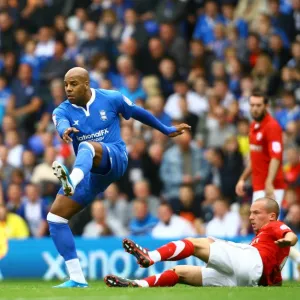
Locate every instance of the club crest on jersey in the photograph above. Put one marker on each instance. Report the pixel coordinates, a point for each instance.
(259, 136)
(103, 115)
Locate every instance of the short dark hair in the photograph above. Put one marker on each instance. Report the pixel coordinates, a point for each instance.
(258, 93)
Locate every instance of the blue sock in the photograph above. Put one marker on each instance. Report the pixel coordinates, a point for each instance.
(84, 158)
(63, 239)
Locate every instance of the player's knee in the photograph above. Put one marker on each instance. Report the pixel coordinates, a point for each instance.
(198, 243)
(181, 272)
(87, 145)
(52, 218)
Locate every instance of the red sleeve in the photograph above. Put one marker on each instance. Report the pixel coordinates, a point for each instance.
(274, 140)
(280, 229)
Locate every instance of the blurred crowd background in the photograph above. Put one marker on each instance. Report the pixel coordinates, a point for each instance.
(190, 61)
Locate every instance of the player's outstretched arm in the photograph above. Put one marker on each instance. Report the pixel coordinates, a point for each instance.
(290, 239)
(147, 118)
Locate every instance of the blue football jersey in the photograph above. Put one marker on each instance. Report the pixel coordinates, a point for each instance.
(98, 121)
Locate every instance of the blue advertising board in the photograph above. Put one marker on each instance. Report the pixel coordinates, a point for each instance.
(38, 258)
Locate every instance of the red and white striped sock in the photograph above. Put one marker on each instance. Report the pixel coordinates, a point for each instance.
(173, 251)
(167, 278)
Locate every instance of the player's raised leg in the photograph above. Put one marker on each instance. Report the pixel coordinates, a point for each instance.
(177, 250)
(64, 208)
(191, 275)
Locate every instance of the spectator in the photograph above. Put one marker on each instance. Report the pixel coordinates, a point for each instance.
(195, 104)
(155, 153)
(5, 167)
(187, 165)
(14, 197)
(171, 226)
(133, 89)
(133, 28)
(293, 218)
(249, 9)
(253, 46)
(24, 103)
(72, 48)
(222, 91)
(15, 149)
(218, 133)
(28, 57)
(243, 128)
(279, 54)
(220, 42)
(156, 53)
(292, 169)
(189, 205)
(211, 194)
(295, 60)
(5, 95)
(264, 77)
(109, 27)
(175, 46)
(34, 211)
(156, 106)
(206, 22)
(296, 15)
(116, 206)
(60, 27)
(28, 163)
(167, 69)
(76, 23)
(290, 111)
(14, 226)
(224, 223)
(92, 44)
(57, 66)
(282, 20)
(240, 23)
(141, 190)
(247, 88)
(46, 44)
(7, 37)
(171, 11)
(42, 172)
(143, 221)
(101, 224)
(219, 173)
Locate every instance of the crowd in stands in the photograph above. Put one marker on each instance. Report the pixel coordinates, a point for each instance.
(192, 61)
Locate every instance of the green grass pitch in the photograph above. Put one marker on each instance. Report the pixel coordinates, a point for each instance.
(40, 290)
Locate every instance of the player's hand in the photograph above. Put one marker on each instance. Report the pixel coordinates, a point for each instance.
(283, 243)
(269, 190)
(239, 188)
(66, 136)
(180, 129)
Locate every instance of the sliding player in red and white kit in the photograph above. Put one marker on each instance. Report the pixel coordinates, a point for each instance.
(228, 263)
(266, 149)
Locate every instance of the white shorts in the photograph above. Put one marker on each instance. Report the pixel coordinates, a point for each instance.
(232, 264)
(279, 194)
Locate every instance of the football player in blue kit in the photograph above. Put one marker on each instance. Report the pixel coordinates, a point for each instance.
(89, 119)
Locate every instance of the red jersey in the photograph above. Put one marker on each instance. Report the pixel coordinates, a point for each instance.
(273, 257)
(265, 143)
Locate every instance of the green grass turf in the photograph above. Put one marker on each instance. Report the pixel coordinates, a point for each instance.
(21, 290)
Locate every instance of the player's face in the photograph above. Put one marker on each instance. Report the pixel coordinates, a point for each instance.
(259, 216)
(76, 89)
(258, 108)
